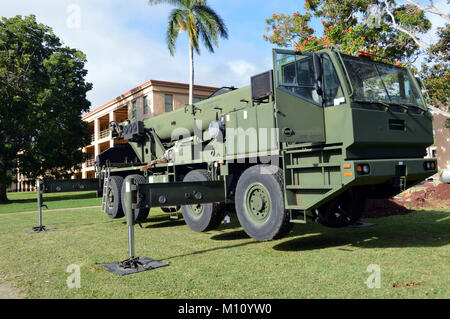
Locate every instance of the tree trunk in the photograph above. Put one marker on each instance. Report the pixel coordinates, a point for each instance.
(3, 196)
(191, 73)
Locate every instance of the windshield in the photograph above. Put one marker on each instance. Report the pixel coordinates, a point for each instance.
(378, 82)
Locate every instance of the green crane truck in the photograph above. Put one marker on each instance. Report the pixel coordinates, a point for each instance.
(313, 138)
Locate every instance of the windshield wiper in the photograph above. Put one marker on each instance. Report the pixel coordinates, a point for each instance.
(373, 102)
(407, 106)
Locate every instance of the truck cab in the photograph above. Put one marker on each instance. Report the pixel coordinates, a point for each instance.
(363, 123)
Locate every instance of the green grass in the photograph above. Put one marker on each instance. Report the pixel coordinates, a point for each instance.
(24, 202)
(312, 262)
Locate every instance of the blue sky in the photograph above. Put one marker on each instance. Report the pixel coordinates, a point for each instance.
(125, 41)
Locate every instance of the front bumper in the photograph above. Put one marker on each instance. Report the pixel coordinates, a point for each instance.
(392, 172)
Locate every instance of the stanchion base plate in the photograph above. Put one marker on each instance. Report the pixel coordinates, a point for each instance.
(134, 266)
(39, 229)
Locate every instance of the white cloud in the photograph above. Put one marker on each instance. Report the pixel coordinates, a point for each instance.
(124, 42)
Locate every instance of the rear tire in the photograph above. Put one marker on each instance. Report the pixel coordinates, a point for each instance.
(260, 203)
(113, 198)
(140, 214)
(202, 217)
(343, 211)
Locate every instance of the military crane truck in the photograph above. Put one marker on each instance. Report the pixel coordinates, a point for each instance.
(313, 138)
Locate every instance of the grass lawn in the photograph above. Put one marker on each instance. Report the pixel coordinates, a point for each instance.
(312, 262)
(24, 202)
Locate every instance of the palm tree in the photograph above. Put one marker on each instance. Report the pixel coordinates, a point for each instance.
(201, 22)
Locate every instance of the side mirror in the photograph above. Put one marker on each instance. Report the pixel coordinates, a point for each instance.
(318, 73)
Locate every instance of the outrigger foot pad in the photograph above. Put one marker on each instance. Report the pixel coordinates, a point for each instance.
(39, 229)
(134, 265)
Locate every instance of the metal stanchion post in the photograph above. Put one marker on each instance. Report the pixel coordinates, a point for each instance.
(133, 264)
(40, 192)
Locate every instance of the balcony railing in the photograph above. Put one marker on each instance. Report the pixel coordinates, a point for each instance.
(105, 134)
(92, 138)
(90, 163)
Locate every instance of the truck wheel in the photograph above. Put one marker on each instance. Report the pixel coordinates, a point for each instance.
(342, 211)
(113, 203)
(260, 203)
(202, 217)
(140, 214)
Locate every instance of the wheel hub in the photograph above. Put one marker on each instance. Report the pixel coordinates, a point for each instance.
(258, 203)
(196, 210)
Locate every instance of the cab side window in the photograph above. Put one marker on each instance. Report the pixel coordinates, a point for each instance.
(297, 78)
(333, 94)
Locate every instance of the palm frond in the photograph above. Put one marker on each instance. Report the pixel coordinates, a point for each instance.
(214, 18)
(176, 25)
(192, 28)
(206, 36)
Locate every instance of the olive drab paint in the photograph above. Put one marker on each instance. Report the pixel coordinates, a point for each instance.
(321, 131)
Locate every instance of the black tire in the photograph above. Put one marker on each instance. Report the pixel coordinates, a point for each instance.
(271, 221)
(113, 199)
(343, 211)
(204, 217)
(140, 214)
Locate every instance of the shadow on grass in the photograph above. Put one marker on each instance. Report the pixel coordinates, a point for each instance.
(166, 224)
(48, 199)
(210, 250)
(235, 235)
(389, 233)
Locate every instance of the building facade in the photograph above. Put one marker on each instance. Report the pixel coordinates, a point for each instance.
(441, 147)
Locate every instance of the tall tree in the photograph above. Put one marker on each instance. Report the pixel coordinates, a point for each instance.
(201, 22)
(42, 96)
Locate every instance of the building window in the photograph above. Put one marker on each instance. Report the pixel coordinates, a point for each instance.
(134, 109)
(198, 99)
(145, 105)
(168, 101)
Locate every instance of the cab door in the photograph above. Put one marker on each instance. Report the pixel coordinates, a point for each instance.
(299, 110)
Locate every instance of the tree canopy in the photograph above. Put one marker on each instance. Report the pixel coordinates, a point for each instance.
(42, 97)
(436, 72)
(352, 26)
(386, 29)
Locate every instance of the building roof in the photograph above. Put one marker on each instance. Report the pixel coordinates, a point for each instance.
(142, 86)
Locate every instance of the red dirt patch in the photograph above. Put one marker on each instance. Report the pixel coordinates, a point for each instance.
(433, 197)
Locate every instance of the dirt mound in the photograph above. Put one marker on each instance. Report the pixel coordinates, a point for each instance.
(432, 197)
(437, 196)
